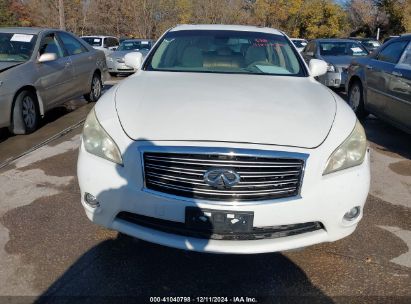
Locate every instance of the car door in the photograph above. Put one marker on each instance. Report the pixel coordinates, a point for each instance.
(83, 61)
(53, 77)
(378, 73)
(400, 91)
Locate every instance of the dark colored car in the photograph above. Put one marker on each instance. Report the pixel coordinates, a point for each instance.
(381, 83)
(338, 53)
(370, 44)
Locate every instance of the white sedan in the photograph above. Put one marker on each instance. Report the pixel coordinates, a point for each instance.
(224, 142)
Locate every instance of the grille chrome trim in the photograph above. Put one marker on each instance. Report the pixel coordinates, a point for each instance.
(275, 175)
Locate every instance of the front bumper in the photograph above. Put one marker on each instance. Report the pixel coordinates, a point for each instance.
(323, 199)
(5, 109)
(334, 79)
(117, 67)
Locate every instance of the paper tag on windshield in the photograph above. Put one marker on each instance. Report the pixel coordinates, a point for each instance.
(144, 42)
(356, 50)
(21, 38)
(97, 40)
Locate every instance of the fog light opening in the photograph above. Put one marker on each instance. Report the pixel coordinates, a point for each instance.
(91, 200)
(352, 214)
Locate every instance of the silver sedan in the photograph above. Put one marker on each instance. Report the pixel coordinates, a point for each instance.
(42, 68)
(115, 61)
(338, 53)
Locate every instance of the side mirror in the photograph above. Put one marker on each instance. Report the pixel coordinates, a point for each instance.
(317, 67)
(46, 57)
(134, 60)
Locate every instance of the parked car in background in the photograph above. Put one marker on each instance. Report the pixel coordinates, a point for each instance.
(40, 69)
(107, 44)
(370, 44)
(389, 38)
(115, 61)
(338, 53)
(224, 142)
(299, 43)
(381, 84)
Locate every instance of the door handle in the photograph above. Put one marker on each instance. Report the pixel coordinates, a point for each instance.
(67, 64)
(369, 67)
(395, 73)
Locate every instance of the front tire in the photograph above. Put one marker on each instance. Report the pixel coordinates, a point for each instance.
(356, 99)
(26, 116)
(95, 89)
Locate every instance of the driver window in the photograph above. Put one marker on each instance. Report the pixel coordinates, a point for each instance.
(50, 44)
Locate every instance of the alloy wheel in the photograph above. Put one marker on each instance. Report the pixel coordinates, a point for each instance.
(96, 87)
(29, 112)
(355, 97)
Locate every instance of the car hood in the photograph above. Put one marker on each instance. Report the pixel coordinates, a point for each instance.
(343, 61)
(288, 111)
(120, 54)
(4, 66)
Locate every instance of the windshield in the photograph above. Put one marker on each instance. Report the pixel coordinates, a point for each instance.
(299, 43)
(93, 41)
(342, 49)
(128, 45)
(211, 51)
(16, 47)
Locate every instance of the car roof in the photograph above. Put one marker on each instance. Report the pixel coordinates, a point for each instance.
(362, 39)
(136, 39)
(97, 36)
(25, 30)
(225, 27)
(404, 37)
(334, 40)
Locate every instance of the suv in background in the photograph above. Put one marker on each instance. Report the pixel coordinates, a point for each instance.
(107, 44)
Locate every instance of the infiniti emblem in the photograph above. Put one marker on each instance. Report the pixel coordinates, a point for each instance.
(221, 178)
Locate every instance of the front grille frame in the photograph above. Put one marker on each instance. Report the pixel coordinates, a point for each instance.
(228, 152)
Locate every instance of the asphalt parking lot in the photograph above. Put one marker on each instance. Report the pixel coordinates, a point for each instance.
(49, 248)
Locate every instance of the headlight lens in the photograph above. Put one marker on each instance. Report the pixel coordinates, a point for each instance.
(350, 153)
(330, 68)
(120, 60)
(98, 142)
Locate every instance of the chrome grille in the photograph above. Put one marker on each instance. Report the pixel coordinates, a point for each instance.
(261, 177)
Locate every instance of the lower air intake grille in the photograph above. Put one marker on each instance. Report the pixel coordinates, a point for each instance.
(257, 233)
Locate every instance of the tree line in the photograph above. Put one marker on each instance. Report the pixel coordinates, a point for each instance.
(149, 18)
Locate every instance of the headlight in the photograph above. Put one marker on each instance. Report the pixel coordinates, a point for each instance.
(110, 59)
(98, 142)
(350, 153)
(331, 68)
(120, 60)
